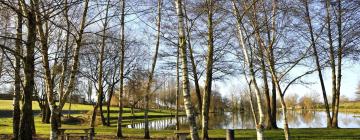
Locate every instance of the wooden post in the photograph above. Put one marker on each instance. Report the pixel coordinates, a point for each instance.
(230, 134)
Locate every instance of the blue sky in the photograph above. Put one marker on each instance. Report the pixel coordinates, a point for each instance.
(350, 80)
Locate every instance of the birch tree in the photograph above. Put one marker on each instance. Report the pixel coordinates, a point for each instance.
(260, 123)
(55, 109)
(189, 108)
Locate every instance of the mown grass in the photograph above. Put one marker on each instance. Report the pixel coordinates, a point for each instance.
(350, 107)
(84, 112)
(299, 133)
(105, 132)
(353, 107)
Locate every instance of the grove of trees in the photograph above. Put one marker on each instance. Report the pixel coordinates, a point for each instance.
(170, 54)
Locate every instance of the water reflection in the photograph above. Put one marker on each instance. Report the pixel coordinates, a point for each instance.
(243, 120)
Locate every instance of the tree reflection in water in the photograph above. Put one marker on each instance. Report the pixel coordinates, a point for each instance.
(244, 120)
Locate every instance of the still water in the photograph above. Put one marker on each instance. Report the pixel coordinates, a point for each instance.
(229, 120)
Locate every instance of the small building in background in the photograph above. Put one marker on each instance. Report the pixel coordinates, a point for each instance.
(77, 99)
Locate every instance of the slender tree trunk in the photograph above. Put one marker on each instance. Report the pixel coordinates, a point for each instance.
(55, 109)
(339, 57)
(29, 70)
(69, 109)
(271, 106)
(48, 115)
(100, 73)
(48, 79)
(273, 75)
(158, 24)
(318, 66)
(102, 117)
(17, 82)
(209, 69)
(177, 91)
(93, 116)
(273, 97)
(49, 84)
(283, 105)
(260, 125)
(108, 105)
(253, 110)
(46, 111)
(66, 51)
(193, 64)
(189, 108)
(122, 61)
(332, 61)
(75, 65)
(272, 70)
(108, 114)
(271, 41)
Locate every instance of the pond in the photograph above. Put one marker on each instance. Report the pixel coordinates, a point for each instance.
(229, 120)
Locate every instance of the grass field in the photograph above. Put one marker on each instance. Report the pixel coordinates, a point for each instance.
(85, 111)
(105, 132)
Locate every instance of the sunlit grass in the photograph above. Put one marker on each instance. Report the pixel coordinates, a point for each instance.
(109, 132)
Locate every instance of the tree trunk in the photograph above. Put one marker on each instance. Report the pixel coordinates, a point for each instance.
(339, 57)
(275, 79)
(54, 123)
(102, 117)
(272, 71)
(69, 109)
(318, 66)
(177, 91)
(150, 80)
(29, 70)
(260, 124)
(193, 64)
(100, 73)
(209, 69)
(122, 61)
(273, 106)
(17, 82)
(283, 106)
(253, 110)
(108, 105)
(66, 51)
(46, 112)
(272, 109)
(93, 116)
(266, 92)
(108, 114)
(48, 79)
(189, 108)
(55, 109)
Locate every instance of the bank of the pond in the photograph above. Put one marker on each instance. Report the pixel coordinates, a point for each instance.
(109, 132)
(303, 133)
(83, 113)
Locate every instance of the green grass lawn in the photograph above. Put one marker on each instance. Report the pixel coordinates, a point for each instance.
(43, 129)
(105, 132)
